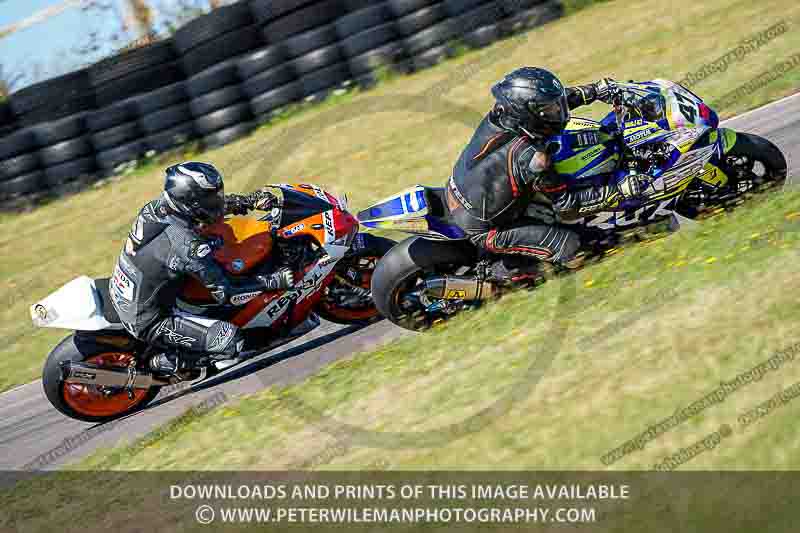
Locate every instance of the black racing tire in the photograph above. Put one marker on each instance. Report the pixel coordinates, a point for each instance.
(430, 58)
(19, 164)
(17, 143)
(224, 47)
(171, 138)
(764, 151)
(354, 5)
(276, 98)
(268, 10)
(125, 153)
(65, 151)
(389, 55)
(228, 135)
(50, 94)
(208, 103)
(268, 80)
(512, 7)
(455, 8)
(147, 103)
(254, 63)
(6, 115)
(213, 78)
(141, 81)
(371, 246)
(58, 109)
(306, 18)
(308, 41)
(111, 116)
(107, 139)
(404, 7)
(324, 78)
(165, 118)
(131, 62)
(369, 39)
(431, 37)
(21, 185)
(60, 130)
(483, 15)
(417, 21)
(482, 36)
(532, 18)
(69, 171)
(211, 25)
(77, 348)
(317, 59)
(363, 19)
(409, 258)
(223, 118)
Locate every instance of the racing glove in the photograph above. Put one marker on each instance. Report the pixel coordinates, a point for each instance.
(281, 279)
(605, 89)
(237, 204)
(632, 185)
(262, 200)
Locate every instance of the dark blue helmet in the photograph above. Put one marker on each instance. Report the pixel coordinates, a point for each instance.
(532, 99)
(195, 192)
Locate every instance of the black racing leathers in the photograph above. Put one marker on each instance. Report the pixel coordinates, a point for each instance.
(161, 250)
(505, 195)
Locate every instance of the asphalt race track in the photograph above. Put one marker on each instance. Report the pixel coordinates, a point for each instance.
(30, 427)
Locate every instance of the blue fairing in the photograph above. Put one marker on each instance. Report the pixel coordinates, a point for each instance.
(441, 227)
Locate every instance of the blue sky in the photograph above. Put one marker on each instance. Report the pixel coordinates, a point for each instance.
(43, 43)
(49, 44)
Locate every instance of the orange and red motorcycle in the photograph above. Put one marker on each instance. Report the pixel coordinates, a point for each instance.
(100, 372)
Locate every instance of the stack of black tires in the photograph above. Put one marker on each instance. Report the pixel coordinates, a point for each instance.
(426, 31)
(208, 46)
(20, 168)
(53, 99)
(227, 71)
(305, 34)
(65, 152)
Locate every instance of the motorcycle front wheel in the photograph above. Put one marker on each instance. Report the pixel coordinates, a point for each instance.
(754, 166)
(348, 299)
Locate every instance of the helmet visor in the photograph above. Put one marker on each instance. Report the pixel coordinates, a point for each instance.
(555, 112)
(211, 207)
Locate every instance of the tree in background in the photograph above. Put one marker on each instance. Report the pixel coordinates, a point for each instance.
(9, 79)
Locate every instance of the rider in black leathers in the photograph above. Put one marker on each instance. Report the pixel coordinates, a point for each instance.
(504, 193)
(163, 247)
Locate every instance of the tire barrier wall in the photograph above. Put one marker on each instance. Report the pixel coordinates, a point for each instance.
(224, 73)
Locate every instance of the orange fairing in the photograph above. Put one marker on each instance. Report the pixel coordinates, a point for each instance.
(247, 242)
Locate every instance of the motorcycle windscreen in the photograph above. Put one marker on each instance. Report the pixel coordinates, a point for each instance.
(298, 206)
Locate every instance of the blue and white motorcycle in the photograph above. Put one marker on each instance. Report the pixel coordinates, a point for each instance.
(658, 128)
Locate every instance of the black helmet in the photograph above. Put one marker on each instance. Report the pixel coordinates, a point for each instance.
(195, 192)
(531, 99)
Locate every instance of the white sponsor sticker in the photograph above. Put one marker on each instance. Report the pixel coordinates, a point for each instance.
(241, 299)
(203, 250)
(124, 286)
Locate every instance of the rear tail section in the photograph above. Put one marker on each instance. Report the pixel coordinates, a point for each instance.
(418, 210)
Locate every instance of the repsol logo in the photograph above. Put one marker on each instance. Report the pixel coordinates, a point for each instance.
(328, 219)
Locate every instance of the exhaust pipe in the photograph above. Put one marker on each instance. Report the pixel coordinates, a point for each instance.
(459, 288)
(89, 374)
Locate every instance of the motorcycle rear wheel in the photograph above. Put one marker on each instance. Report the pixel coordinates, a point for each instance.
(396, 282)
(90, 403)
